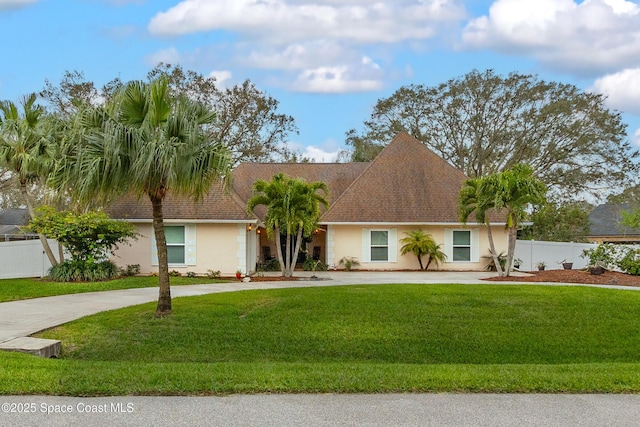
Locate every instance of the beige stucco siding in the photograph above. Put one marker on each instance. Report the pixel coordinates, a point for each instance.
(347, 241)
(217, 247)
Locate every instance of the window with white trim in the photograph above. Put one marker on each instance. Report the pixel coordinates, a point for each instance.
(181, 245)
(379, 245)
(461, 245)
(176, 247)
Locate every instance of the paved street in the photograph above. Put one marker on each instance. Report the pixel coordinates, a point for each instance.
(330, 410)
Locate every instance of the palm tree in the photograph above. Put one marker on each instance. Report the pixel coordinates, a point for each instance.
(149, 144)
(27, 150)
(293, 209)
(422, 244)
(510, 193)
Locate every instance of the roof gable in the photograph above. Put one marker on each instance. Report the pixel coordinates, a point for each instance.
(405, 183)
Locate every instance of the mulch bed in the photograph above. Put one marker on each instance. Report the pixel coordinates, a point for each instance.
(575, 276)
(559, 276)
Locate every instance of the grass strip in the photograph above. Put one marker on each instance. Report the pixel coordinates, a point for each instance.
(23, 374)
(19, 289)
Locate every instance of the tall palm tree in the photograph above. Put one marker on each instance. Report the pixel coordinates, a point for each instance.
(422, 244)
(27, 150)
(147, 143)
(511, 193)
(293, 209)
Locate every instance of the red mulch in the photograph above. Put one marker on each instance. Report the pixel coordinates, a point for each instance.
(575, 276)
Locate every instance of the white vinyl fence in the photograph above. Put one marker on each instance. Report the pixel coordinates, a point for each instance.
(24, 259)
(531, 252)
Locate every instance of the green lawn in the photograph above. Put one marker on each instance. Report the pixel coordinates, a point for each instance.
(408, 338)
(17, 289)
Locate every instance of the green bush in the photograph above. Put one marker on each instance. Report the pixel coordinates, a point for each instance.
(491, 265)
(270, 265)
(131, 270)
(191, 274)
(604, 255)
(213, 274)
(83, 271)
(175, 273)
(630, 263)
(310, 264)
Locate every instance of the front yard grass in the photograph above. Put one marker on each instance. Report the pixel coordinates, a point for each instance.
(18, 289)
(369, 339)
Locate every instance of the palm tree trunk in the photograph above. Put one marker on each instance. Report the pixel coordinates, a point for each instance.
(32, 214)
(513, 235)
(279, 251)
(164, 293)
(296, 250)
(494, 254)
(287, 255)
(420, 262)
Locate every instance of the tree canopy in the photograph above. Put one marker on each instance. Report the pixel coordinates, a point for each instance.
(146, 143)
(484, 123)
(247, 123)
(559, 222)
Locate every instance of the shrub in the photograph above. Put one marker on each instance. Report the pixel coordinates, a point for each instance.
(83, 271)
(131, 270)
(310, 264)
(269, 265)
(630, 263)
(604, 255)
(175, 273)
(491, 265)
(349, 262)
(191, 274)
(213, 274)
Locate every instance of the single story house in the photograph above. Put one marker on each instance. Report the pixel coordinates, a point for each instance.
(607, 228)
(11, 223)
(372, 205)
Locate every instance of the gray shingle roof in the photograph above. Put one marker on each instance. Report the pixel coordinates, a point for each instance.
(605, 221)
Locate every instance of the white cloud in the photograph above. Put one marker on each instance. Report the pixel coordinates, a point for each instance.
(223, 77)
(336, 79)
(286, 21)
(636, 138)
(622, 90)
(319, 155)
(319, 44)
(168, 56)
(586, 37)
(15, 4)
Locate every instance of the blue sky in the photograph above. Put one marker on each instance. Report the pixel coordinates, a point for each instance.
(327, 61)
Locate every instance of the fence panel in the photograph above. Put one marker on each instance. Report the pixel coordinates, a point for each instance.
(531, 252)
(24, 259)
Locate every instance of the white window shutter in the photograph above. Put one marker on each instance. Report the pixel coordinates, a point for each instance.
(393, 245)
(366, 245)
(190, 244)
(448, 244)
(475, 245)
(154, 248)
